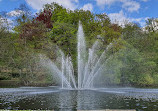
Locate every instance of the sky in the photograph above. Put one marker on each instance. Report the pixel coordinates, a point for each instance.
(119, 11)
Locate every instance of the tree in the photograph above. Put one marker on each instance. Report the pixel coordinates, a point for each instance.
(45, 18)
(151, 25)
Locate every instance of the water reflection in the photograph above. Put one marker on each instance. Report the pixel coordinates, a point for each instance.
(66, 100)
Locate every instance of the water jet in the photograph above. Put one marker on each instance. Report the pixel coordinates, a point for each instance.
(89, 65)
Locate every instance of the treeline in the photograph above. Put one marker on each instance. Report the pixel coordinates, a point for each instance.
(133, 57)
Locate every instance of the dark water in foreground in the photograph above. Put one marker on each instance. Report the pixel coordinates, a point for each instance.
(66, 100)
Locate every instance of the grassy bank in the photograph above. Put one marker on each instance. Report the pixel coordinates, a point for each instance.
(10, 83)
(18, 83)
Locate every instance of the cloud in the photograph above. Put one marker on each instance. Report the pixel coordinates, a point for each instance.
(105, 2)
(121, 19)
(15, 13)
(38, 4)
(88, 6)
(141, 20)
(128, 5)
(131, 6)
(6, 22)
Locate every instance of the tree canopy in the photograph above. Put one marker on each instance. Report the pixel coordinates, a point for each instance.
(133, 58)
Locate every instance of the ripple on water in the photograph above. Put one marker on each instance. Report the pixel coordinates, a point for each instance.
(49, 98)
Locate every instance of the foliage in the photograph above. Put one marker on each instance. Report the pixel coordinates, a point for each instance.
(45, 17)
(132, 57)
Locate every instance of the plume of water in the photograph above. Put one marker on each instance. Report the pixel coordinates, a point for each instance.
(89, 65)
(81, 57)
(88, 68)
(64, 75)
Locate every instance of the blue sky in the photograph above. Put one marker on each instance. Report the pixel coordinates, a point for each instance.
(118, 10)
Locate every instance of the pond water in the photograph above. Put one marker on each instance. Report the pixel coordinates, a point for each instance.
(53, 98)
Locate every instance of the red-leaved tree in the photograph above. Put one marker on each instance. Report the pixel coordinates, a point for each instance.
(45, 17)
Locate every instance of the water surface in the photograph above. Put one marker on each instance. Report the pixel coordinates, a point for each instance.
(72, 100)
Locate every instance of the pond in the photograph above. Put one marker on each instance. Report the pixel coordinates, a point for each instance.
(53, 98)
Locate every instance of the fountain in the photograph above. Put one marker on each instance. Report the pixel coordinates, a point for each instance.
(93, 66)
(90, 65)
